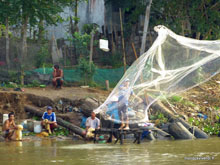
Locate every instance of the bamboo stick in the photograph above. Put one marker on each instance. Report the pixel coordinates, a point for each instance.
(123, 43)
(135, 53)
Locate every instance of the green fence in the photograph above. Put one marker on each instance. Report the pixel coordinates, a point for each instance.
(73, 75)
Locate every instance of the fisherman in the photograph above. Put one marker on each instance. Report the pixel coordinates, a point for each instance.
(57, 77)
(92, 123)
(112, 111)
(49, 120)
(9, 127)
(124, 93)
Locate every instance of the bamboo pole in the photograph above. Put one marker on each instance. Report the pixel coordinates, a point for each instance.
(7, 43)
(123, 43)
(113, 44)
(107, 85)
(91, 50)
(146, 23)
(135, 53)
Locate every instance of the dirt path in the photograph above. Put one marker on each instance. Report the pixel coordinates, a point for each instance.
(67, 92)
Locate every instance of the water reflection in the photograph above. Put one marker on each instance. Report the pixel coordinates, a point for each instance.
(72, 152)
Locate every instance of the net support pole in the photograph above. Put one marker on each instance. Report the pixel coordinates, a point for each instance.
(133, 47)
(123, 42)
(7, 43)
(91, 50)
(146, 23)
(107, 85)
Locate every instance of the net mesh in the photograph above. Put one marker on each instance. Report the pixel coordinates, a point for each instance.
(172, 65)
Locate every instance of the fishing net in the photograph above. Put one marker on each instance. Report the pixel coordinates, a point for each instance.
(172, 65)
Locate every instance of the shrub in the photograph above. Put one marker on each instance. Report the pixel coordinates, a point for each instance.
(42, 58)
(114, 60)
(81, 43)
(85, 70)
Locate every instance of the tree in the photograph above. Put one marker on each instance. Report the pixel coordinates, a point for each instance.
(132, 10)
(196, 19)
(30, 13)
(7, 12)
(74, 26)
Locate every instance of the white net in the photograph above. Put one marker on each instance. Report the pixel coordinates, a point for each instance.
(172, 65)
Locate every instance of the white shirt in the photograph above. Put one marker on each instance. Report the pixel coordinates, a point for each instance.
(93, 123)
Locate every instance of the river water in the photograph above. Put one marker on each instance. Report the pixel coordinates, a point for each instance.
(78, 152)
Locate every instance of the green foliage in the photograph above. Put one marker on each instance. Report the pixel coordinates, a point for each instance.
(29, 134)
(86, 71)
(63, 62)
(216, 108)
(176, 98)
(2, 30)
(41, 10)
(114, 60)
(36, 118)
(42, 58)
(14, 76)
(132, 10)
(160, 118)
(89, 28)
(212, 130)
(188, 103)
(36, 11)
(196, 19)
(10, 85)
(35, 83)
(205, 125)
(181, 100)
(81, 43)
(61, 131)
(8, 11)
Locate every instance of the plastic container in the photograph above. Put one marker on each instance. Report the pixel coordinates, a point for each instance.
(37, 127)
(103, 44)
(24, 124)
(5, 117)
(42, 86)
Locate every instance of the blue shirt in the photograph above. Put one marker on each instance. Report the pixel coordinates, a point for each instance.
(51, 117)
(124, 94)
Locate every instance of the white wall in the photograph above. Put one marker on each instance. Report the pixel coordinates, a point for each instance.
(91, 12)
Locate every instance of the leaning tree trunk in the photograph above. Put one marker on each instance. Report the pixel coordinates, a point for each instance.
(77, 130)
(194, 130)
(146, 23)
(7, 43)
(178, 131)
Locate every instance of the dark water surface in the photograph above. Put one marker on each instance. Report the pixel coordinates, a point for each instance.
(75, 152)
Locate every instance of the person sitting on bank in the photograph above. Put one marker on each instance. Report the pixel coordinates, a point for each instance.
(57, 77)
(9, 127)
(49, 120)
(92, 123)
